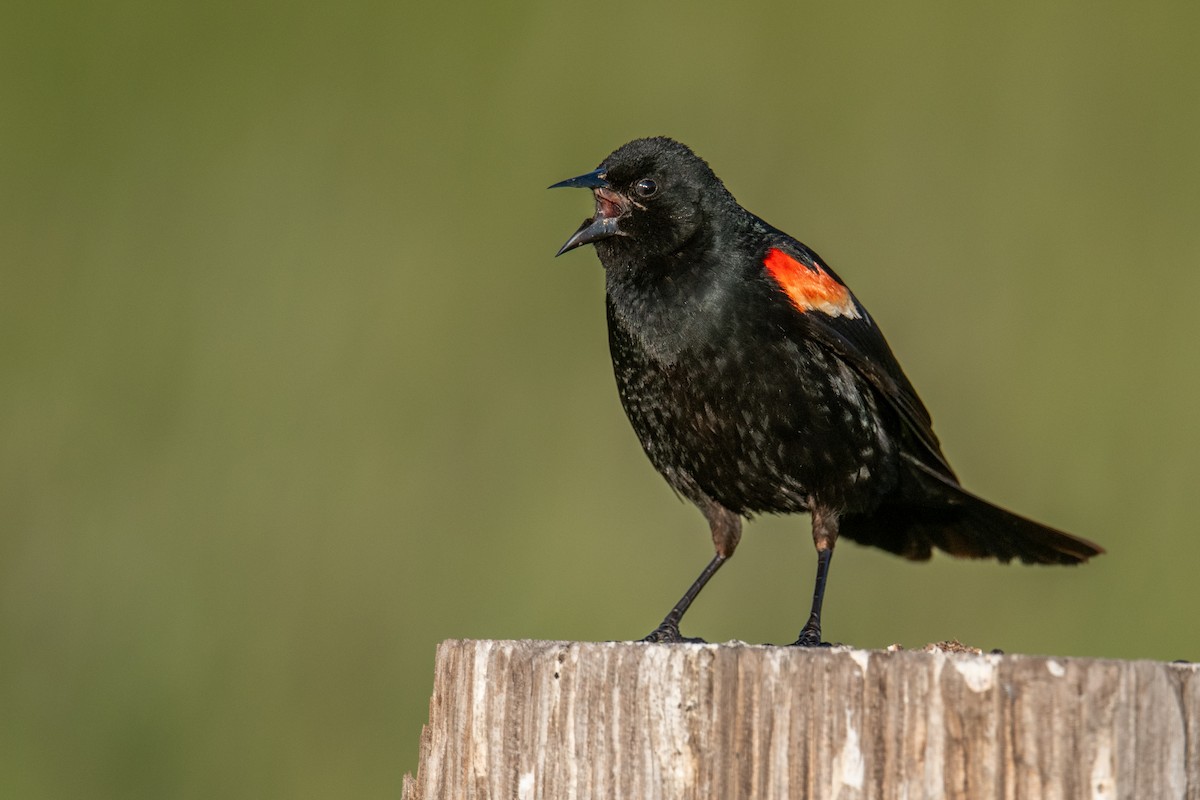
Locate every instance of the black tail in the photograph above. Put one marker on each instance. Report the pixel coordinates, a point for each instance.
(956, 521)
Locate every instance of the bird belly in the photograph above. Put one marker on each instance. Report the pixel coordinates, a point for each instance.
(734, 427)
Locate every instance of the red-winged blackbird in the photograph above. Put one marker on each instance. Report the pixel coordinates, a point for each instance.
(757, 382)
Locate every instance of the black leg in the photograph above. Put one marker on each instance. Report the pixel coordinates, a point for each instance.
(810, 636)
(668, 631)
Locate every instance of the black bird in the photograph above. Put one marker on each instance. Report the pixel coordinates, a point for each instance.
(757, 383)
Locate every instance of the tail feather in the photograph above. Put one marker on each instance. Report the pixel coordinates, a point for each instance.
(963, 525)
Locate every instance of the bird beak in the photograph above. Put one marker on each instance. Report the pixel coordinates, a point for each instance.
(592, 180)
(610, 206)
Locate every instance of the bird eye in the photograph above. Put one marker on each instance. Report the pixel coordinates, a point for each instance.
(646, 188)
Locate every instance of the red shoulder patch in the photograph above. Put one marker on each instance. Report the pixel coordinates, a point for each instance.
(809, 288)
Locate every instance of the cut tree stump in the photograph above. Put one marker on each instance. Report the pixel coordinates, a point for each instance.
(560, 720)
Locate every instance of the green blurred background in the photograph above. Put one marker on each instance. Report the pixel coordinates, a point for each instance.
(292, 387)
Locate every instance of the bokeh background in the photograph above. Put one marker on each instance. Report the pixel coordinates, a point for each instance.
(291, 387)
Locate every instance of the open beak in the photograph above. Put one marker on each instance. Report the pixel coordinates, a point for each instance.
(610, 206)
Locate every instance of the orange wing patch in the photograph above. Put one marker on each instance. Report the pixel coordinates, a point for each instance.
(809, 288)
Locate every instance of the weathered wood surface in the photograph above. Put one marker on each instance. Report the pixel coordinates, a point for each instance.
(560, 720)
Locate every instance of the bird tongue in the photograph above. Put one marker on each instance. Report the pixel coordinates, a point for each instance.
(609, 204)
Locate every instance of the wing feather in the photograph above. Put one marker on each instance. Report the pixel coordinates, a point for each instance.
(858, 343)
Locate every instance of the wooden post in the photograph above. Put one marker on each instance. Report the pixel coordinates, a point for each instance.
(559, 720)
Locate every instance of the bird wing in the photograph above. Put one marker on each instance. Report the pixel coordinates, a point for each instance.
(960, 523)
(830, 315)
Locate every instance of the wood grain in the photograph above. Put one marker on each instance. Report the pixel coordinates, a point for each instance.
(557, 720)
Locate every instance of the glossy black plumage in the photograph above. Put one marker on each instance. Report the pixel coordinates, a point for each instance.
(757, 383)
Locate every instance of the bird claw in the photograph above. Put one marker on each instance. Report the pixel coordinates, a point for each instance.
(810, 637)
(668, 633)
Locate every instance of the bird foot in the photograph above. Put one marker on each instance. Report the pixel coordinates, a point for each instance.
(668, 633)
(810, 637)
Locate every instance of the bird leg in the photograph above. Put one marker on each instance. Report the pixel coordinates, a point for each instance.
(726, 533)
(668, 631)
(824, 535)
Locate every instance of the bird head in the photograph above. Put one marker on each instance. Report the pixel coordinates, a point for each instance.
(652, 195)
